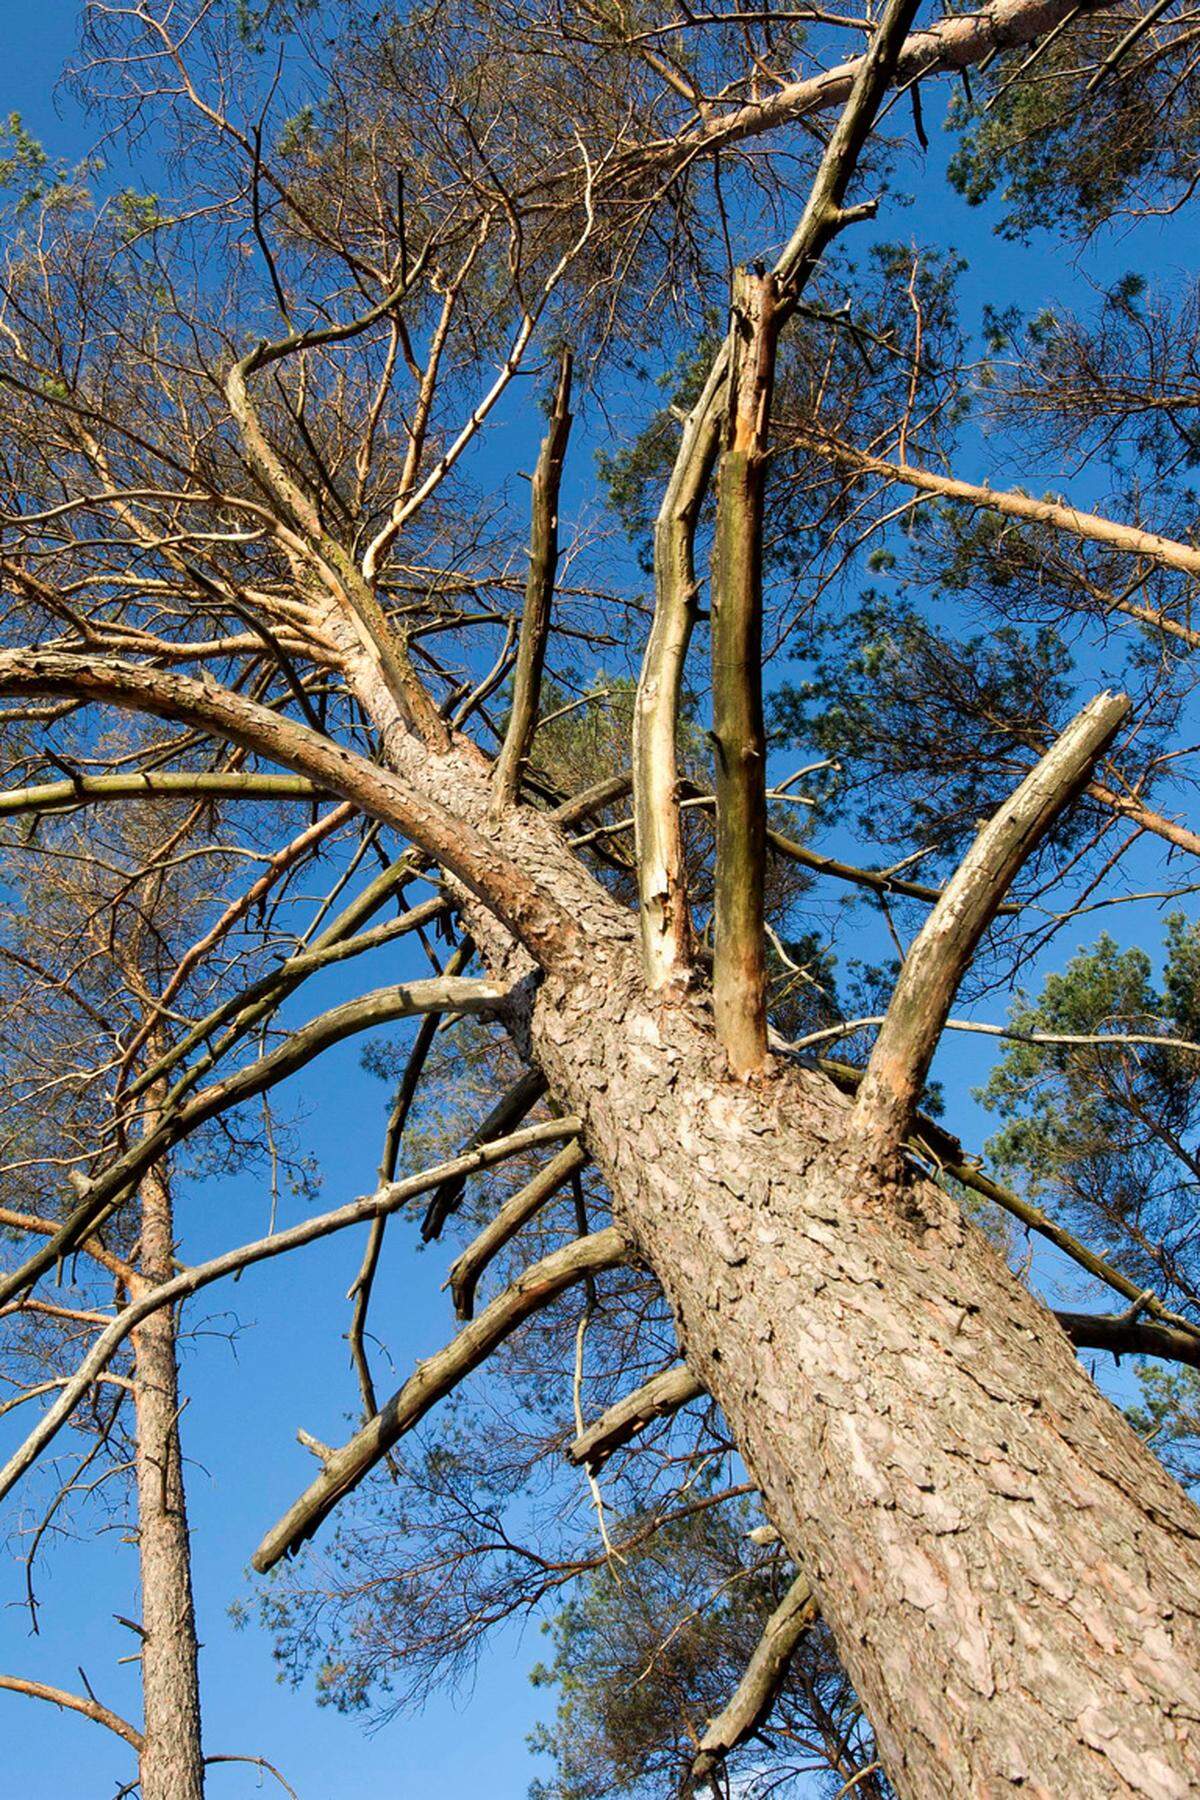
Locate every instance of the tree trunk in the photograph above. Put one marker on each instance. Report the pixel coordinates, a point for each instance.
(1011, 1577)
(172, 1765)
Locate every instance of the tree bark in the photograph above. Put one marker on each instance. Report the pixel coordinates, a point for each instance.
(1012, 1579)
(172, 1762)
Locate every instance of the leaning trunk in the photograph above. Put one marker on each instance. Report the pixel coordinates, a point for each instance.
(1012, 1580)
(172, 1766)
(1011, 1577)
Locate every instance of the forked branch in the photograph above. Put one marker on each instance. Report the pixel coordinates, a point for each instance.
(942, 950)
(666, 927)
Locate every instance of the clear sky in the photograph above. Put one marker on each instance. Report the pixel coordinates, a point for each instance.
(285, 1364)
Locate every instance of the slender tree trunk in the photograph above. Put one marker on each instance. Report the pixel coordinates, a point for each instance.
(172, 1766)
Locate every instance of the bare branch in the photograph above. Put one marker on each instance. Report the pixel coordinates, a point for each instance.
(739, 731)
(657, 1398)
(433, 1380)
(278, 1243)
(90, 1709)
(1122, 1335)
(940, 954)
(1058, 514)
(507, 1113)
(403, 1001)
(516, 1212)
(539, 595)
(377, 791)
(759, 1687)
(666, 927)
(60, 796)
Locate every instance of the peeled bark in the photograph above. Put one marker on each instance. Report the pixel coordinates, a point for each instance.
(171, 1762)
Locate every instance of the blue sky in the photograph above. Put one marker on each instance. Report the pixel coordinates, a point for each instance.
(286, 1364)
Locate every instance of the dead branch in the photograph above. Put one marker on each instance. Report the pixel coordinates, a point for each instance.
(64, 796)
(278, 1243)
(939, 956)
(89, 1708)
(384, 1005)
(739, 731)
(666, 925)
(657, 1398)
(433, 1380)
(516, 1212)
(504, 1117)
(759, 1687)
(539, 595)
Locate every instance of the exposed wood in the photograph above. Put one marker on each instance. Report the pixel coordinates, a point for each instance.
(665, 920)
(739, 731)
(757, 1691)
(515, 1213)
(504, 1117)
(539, 594)
(433, 1380)
(657, 1398)
(942, 950)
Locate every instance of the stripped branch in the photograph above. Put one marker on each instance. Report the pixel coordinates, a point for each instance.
(942, 950)
(433, 1380)
(516, 1212)
(657, 1398)
(539, 595)
(666, 925)
(759, 1687)
(739, 731)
